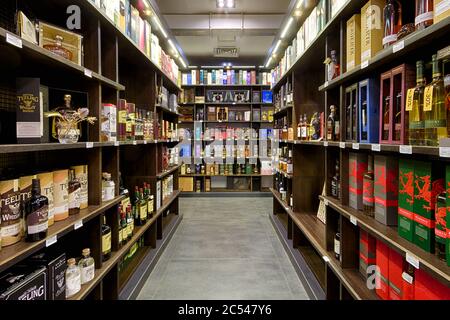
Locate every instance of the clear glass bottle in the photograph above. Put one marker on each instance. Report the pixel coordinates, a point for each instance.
(108, 187)
(73, 278)
(36, 214)
(416, 116)
(368, 189)
(435, 113)
(87, 266)
(74, 193)
(392, 14)
(424, 14)
(106, 240)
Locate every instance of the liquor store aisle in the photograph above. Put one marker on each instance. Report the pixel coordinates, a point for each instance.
(225, 248)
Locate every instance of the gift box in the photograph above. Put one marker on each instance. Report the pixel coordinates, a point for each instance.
(441, 10)
(386, 190)
(371, 28)
(428, 288)
(382, 275)
(367, 252)
(406, 184)
(24, 283)
(353, 41)
(357, 167)
(368, 111)
(395, 275)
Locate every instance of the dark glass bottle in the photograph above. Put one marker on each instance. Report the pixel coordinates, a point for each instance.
(331, 124)
(335, 182)
(74, 193)
(36, 214)
(337, 242)
(142, 207)
(368, 189)
(392, 14)
(137, 207)
(106, 241)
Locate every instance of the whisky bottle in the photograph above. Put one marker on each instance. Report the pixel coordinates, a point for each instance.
(304, 128)
(424, 14)
(142, 207)
(36, 214)
(386, 119)
(415, 108)
(368, 189)
(87, 266)
(440, 229)
(130, 223)
(335, 182)
(348, 118)
(299, 128)
(290, 167)
(73, 278)
(331, 124)
(435, 112)
(74, 193)
(137, 207)
(333, 66)
(337, 242)
(392, 14)
(398, 116)
(106, 240)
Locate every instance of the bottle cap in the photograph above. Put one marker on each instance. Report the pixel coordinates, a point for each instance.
(86, 252)
(71, 262)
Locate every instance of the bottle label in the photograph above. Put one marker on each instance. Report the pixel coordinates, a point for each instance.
(87, 273)
(122, 117)
(289, 168)
(304, 132)
(428, 99)
(73, 284)
(417, 125)
(38, 221)
(128, 126)
(389, 39)
(337, 246)
(150, 207)
(109, 193)
(143, 212)
(106, 243)
(336, 128)
(11, 230)
(75, 199)
(424, 17)
(438, 123)
(121, 235)
(409, 99)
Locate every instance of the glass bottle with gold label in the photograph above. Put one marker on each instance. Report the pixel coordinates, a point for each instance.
(414, 104)
(434, 108)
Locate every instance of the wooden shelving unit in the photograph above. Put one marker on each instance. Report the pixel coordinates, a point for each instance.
(314, 162)
(201, 90)
(114, 67)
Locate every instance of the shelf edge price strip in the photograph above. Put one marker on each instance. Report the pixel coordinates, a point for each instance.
(325, 143)
(89, 145)
(405, 149)
(365, 64)
(51, 241)
(78, 225)
(13, 40)
(116, 143)
(88, 73)
(398, 46)
(444, 152)
(342, 145)
(353, 220)
(355, 146)
(376, 147)
(412, 260)
(326, 259)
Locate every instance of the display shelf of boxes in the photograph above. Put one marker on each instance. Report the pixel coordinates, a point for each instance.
(372, 190)
(214, 110)
(131, 142)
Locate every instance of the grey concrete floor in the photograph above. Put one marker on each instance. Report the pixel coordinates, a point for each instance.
(225, 248)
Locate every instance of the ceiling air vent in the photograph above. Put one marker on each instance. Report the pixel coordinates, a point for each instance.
(226, 52)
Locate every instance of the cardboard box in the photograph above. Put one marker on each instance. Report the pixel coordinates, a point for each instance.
(353, 41)
(11, 219)
(428, 288)
(28, 113)
(382, 275)
(395, 275)
(386, 190)
(46, 181)
(24, 283)
(429, 183)
(368, 119)
(367, 252)
(441, 10)
(406, 184)
(371, 28)
(56, 268)
(357, 167)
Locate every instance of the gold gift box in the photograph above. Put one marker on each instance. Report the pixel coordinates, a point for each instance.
(353, 41)
(371, 29)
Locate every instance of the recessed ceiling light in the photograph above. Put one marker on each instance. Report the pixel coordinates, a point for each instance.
(225, 4)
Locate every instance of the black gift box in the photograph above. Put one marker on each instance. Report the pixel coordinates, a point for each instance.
(24, 283)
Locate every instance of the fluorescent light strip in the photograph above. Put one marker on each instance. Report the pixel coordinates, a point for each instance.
(172, 45)
(182, 62)
(268, 62)
(276, 47)
(299, 4)
(160, 26)
(286, 28)
(146, 4)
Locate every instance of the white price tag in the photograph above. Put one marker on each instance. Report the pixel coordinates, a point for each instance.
(398, 46)
(325, 143)
(295, 141)
(365, 64)
(353, 220)
(325, 202)
(412, 260)
(156, 141)
(134, 143)
(342, 145)
(88, 73)
(355, 146)
(376, 147)
(51, 241)
(406, 149)
(325, 84)
(407, 277)
(444, 152)
(78, 225)
(13, 40)
(145, 141)
(116, 143)
(326, 259)
(89, 145)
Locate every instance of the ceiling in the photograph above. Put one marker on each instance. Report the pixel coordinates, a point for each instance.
(199, 27)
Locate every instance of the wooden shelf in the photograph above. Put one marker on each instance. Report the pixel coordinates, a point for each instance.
(167, 111)
(168, 171)
(21, 250)
(414, 41)
(117, 255)
(41, 56)
(314, 230)
(283, 111)
(390, 235)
